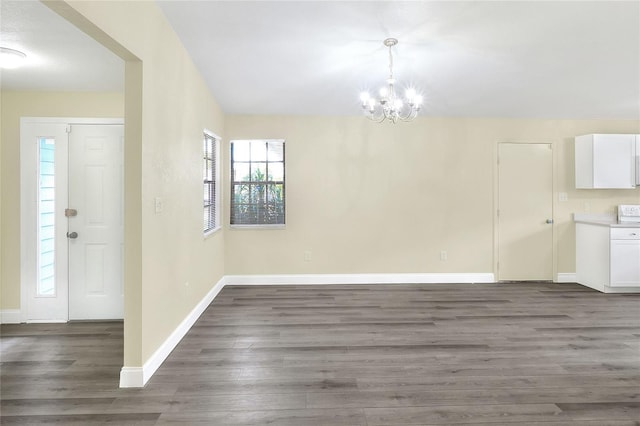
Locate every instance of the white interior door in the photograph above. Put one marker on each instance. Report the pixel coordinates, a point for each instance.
(96, 227)
(525, 212)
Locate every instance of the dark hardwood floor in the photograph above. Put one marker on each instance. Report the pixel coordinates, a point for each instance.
(494, 354)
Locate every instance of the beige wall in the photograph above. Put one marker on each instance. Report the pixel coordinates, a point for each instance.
(34, 104)
(366, 197)
(177, 266)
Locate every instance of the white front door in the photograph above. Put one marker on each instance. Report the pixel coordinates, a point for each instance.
(525, 212)
(96, 226)
(80, 167)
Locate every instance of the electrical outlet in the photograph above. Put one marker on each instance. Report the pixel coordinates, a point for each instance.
(563, 196)
(443, 255)
(587, 207)
(307, 255)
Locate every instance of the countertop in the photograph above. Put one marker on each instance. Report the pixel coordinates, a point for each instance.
(610, 221)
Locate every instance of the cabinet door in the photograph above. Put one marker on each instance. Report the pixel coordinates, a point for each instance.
(614, 161)
(625, 263)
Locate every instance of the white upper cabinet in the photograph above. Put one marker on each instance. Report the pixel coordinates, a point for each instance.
(606, 161)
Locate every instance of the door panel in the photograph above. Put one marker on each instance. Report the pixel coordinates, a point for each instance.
(525, 198)
(96, 193)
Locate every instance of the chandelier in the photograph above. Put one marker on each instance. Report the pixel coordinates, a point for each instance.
(390, 106)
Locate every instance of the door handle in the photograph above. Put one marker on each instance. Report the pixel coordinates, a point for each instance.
(72, 235)
(549, 221)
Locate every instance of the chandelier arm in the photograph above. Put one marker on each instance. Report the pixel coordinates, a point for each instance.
(413, 113)
(375, 119)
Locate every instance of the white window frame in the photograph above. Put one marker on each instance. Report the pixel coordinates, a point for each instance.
(265, 226)
(216, 180)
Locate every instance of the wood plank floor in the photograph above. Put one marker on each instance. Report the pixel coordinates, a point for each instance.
(494, 354)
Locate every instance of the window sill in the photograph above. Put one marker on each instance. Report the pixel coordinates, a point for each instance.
(258, 227)
(211, 232)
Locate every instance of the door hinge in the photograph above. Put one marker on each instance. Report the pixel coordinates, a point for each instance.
(68, 129)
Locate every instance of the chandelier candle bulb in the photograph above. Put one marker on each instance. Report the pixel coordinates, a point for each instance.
(389, 106)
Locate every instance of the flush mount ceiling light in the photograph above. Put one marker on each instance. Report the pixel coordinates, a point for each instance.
(390, 106)
(11, 58)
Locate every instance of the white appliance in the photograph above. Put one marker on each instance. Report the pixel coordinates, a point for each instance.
(629, 213)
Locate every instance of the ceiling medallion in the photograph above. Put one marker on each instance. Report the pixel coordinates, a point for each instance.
(389, 106)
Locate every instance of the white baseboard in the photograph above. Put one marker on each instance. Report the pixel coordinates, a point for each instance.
(308, 279)
(132, 377)
(566, 277)
(138, 376)
(10, 316)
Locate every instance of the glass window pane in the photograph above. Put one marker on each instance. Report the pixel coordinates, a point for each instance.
(258, 172)
(45, 285)
(46, 245)
(276, 172)
(241, 194)
(47, 181)
(258, 151)
(241, 151)
(46, 232)
(241, 172)
(276, 193)
(46, 168)
(258, 194)
(47, 193)
(276, 151)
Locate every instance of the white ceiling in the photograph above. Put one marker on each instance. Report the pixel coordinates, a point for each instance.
(550, 59)
(60, 57)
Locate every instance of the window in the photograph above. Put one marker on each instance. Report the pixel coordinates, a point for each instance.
(211, 190)
(46, 285)
(257, 182)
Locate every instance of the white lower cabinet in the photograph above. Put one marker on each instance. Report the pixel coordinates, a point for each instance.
(625, 257)
(608, 258)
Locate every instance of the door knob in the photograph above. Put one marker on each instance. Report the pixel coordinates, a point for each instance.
(549, 221)
(72, 235)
